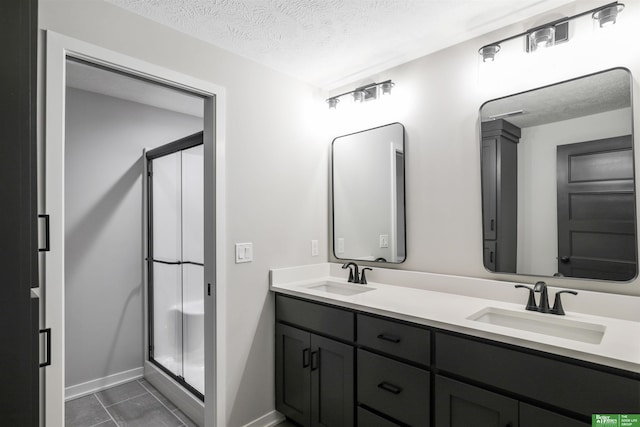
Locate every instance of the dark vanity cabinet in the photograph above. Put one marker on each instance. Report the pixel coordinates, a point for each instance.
(412, 375)
(512, 377)
(500, 194)
(314, 370)
(393, 375)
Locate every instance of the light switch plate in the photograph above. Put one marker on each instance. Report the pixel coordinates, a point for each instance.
(340, 249)
(384, 240)
(244, 252)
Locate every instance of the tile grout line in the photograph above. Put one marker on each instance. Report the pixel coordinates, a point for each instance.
(101, 423)
(128, 399)
(167, 408)
(105, 409)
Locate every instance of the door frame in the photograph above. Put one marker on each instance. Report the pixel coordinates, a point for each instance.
(58, 48)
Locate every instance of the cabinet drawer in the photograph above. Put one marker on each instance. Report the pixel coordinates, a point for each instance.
(408, 342)
(369, 419)
(531, 416)
(316, 317)
(393, 388)
(560, 383)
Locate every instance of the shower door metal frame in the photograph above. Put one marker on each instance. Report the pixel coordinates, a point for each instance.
(165, 150)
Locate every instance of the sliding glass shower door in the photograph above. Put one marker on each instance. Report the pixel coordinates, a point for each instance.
(176, 260)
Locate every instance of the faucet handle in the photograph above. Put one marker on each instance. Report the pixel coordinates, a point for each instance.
(531, 302)
(557, 303)
(363, 278)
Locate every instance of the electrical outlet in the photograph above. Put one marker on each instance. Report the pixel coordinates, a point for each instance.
(314, 248)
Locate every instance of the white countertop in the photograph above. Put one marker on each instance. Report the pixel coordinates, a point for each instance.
(619, 348)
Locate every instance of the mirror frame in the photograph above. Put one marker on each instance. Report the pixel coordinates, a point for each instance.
(635, 185)
(332, 199)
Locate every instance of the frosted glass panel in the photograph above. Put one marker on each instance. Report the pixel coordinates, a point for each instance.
(193, 204)
(167, 208)
(193, 325)
(167, 316)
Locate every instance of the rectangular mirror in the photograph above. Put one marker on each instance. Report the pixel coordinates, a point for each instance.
(558, 184)
(368, 195)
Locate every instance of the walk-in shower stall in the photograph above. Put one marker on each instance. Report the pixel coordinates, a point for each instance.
(175, 260)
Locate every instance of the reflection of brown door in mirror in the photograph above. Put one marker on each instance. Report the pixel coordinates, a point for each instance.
(596, 209)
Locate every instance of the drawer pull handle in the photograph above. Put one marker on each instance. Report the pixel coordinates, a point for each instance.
(389, 338)
(305, 358)
(390, 387)
(314, 360)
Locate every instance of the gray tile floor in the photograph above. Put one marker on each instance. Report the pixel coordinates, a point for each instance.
(133, 404)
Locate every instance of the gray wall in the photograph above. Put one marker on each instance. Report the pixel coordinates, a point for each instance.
(105, 137)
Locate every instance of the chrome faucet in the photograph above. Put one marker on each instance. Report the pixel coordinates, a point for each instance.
(354, 276)
(543, 305)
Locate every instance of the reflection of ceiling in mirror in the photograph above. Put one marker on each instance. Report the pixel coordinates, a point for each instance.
(594, 94)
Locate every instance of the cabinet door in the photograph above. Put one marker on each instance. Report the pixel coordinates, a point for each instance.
(461, 405)
(532, 416)
(293, 386)
(332, 396)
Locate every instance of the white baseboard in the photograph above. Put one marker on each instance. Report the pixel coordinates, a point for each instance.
(89, 387)
(270, 419)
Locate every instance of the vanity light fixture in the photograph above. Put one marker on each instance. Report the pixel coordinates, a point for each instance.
(543, 37)
(489, 52)
(607, 15)
(333, 102)
(386, 87)
(359, 95)
(554, 32)
(364, 93)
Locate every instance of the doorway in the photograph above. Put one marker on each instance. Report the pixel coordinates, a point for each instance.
(58, 50)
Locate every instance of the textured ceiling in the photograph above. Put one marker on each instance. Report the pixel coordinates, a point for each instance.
(333, 42)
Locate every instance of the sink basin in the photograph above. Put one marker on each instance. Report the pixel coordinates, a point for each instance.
(546, 324)
(344, 289)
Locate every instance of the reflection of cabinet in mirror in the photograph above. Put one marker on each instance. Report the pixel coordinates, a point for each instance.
(500, 194)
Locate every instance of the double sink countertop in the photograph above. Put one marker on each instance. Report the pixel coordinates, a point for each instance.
(605, 340)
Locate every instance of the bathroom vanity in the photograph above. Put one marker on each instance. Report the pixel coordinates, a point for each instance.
(382, 355)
